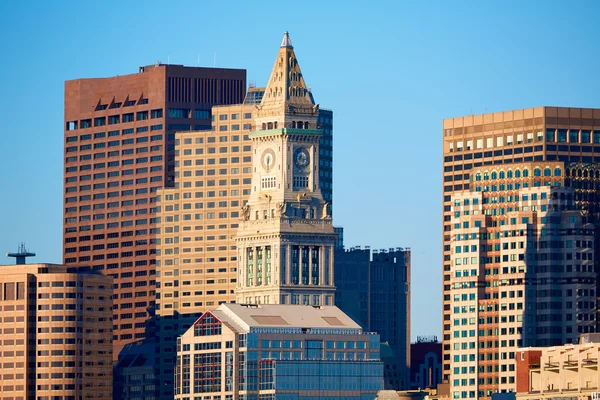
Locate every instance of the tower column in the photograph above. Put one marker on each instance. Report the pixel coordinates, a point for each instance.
(255, 267)
(262, 265)
(275, 255)
(321, 265)
(300, 248)
(330, 250)
(310, 273)
(288, 264)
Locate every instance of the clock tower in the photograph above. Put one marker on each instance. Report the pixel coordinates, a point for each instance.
(285, 240)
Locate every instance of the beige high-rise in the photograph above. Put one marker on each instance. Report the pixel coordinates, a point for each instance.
(196, 268)
(56, 333)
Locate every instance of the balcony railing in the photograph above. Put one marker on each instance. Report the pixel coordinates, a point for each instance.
(551, 365)
(571, 364)
(590, 362)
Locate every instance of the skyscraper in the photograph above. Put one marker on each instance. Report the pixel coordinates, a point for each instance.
(285, 240)
(197, 260)
(119, 150)
(521, 196)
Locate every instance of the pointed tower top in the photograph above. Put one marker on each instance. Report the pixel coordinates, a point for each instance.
(286, 91)
(286, 42)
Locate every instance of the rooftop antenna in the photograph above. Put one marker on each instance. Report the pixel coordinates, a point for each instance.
(470, 111)
(215, 60)
(21, 254)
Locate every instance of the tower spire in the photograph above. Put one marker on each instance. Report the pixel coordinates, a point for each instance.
(286, 94)
(286, 42)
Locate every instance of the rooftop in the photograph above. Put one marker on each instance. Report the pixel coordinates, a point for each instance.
(284, 316)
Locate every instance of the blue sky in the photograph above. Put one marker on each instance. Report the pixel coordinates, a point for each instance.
(390, 70)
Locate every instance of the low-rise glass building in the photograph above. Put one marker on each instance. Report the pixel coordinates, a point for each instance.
(277, 352)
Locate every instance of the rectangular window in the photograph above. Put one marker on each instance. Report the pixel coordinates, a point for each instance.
(201, 114)
(178, 113)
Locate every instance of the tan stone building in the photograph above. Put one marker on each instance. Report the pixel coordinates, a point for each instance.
(56, 333)
(286, 240)
(562, 372)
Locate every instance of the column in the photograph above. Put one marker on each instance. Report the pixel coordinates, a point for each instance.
(262, 265)
(253, 269)
(331, 275)
(288, 261)
(275, 255)
(321, 266)
(310, 249)
(300, 265)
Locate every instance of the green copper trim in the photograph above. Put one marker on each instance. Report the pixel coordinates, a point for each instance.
(288, 131)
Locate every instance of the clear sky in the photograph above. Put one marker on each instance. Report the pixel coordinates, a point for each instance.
(390, 70)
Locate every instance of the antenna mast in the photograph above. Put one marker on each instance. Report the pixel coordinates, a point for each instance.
(21, 254)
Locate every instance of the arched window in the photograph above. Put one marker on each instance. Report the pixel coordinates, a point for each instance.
(517, 173)
(275, 124)
(264, 126)
(294, 124)
(300, 125)
(547, 172)
(537, 172)
(270, 125)
(494, 175)
(556, 171)
(509, 173)
(525, 173)
(478, 176)
(306, 124)
(486, 175)
(501, 174)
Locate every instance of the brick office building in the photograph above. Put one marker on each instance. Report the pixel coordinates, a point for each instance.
(119, 150)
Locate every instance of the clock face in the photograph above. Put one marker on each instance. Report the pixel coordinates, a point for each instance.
(301, 158)
(268, 159)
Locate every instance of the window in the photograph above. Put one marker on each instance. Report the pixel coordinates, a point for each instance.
(178, 113)
(201, 114)
(573, 136)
